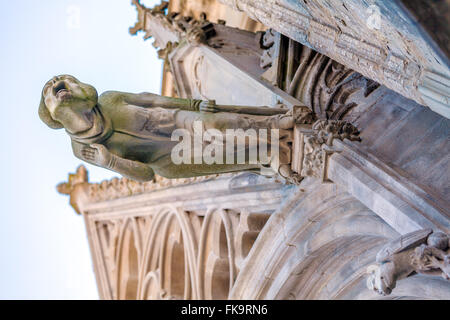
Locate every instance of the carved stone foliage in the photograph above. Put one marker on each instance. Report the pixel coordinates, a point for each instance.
(313, 145)
(420, 252)
(200, 32)
(82, 192)
(329, 88)
(170, 253)
(169, 29)
(76, 187)
(123, 187)
(303, 115)
(80, 176)
(318, 144)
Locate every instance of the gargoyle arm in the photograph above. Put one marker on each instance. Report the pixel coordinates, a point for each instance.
(128, 168)
(149, 100)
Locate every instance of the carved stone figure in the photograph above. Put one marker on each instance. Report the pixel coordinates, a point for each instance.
(324, 132)
(422, 251)
(315, 144)
(131, 133)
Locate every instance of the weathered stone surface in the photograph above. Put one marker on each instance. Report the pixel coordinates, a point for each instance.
(185, 241)
(317, 245)
(241, 237)
(376, 39)
(217, 13)
(330, 89)
(313, 146)
(248, 237)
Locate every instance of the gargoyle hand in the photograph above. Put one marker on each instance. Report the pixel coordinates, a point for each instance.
(208, 106)
(289, 175)
(97, 154)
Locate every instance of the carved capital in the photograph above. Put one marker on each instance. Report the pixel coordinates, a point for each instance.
(303, 115)
(313, 144)
(423, 251)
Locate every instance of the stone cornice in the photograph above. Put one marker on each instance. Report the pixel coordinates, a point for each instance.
(404, 68)
(82, 192)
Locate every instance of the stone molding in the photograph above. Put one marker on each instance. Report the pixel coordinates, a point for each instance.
(390, 193)
(82, 192)
(332, 90)
(179, 242)
(372, 59)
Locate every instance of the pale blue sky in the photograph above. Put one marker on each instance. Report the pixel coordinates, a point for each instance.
(43, 244)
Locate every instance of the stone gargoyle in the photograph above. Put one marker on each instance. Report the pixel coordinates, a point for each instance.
(422, 251)
(131, 133)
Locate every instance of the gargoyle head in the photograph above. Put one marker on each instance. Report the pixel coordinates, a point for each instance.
(439, 240)
(381, 278)
(67, 103)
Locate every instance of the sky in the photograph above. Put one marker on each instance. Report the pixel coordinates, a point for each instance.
(43, 244)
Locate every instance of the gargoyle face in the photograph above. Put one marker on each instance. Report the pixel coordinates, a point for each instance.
(70, 102)
(381, 278)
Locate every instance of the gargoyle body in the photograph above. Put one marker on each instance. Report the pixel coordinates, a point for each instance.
(132, 133)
